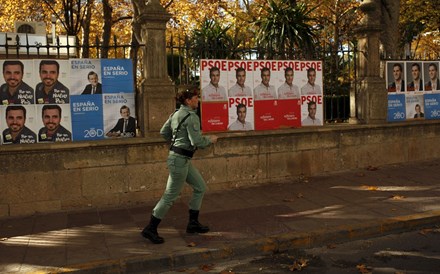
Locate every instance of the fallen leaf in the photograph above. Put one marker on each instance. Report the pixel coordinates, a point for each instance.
(397, 197)
(363, 269)
(207, 267)
(302, 178)
(372, 168)
(425, 231)
(191, 244)
(298, 264)
(371, 188)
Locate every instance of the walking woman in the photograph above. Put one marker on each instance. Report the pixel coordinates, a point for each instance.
(182, 129)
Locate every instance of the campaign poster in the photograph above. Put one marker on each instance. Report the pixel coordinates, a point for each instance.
(214, 116)
(414, 76)
(241, 113)
(396, 108)
(265, 96)
(266, 114)
(55, 123)
(432, 106)
(52, 85)
(214, 110)
(277, 89)
(431, 79)
(119, 115)
(19, 124)
(214, 79)
(117, 76)
(418, 84)
(240, 79)
(17, 75)
(290, 113)
(312, 110)
(85, 76)
(87, 117)
(288, 92)
(414, 106)
(395, 77)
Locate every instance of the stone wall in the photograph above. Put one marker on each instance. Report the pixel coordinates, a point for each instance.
(55, 177)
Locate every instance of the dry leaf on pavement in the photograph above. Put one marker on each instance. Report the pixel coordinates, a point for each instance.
(207, 267)
(397, 197)
(191, 244)
(425, 231)
(298, 264)
(371, 188)
(363, 269)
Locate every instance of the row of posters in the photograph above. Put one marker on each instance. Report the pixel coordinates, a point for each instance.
(413, 90)
(66, 100)
(260, 94)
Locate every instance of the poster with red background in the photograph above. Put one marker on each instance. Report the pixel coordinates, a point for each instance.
(276, 108)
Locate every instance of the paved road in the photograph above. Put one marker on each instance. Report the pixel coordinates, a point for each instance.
(414, 252)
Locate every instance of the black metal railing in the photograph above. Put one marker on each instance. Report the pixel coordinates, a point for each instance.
(340, 69)
(31, 46)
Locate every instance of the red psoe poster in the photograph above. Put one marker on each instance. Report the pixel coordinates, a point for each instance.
(290, 113)
(266, 114)
(214, 116)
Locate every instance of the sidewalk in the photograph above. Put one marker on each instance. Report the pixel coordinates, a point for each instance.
(308, 212)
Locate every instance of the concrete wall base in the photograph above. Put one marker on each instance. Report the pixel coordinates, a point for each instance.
(54, 177)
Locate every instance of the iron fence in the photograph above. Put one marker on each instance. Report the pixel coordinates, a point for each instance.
(183, 62)
(339, 64)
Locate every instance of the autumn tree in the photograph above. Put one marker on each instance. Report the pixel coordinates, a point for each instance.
(19, 10)
(419, 27)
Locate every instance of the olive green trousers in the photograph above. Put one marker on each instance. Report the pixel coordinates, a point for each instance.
(181, 171)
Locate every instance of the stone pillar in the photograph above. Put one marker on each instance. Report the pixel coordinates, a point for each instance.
(371, 97)
(155, 99)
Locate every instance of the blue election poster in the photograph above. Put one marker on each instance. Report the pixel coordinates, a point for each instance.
(119, 115)
(432, 106)
(396, 108)
(87, 117)
(85, 76)
(414, 106)
(117, 76)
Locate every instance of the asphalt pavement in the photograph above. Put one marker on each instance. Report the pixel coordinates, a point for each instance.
(300, 213)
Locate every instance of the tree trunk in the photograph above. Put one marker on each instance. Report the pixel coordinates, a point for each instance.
(390, 35)
(108, 10)
(86, 30)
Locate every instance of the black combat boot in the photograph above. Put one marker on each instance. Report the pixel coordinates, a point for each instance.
(194, 226)
(150, 231)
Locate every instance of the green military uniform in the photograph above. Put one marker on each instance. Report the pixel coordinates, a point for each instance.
(187, 138)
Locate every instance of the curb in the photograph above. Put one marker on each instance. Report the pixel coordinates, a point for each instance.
(267, 245)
